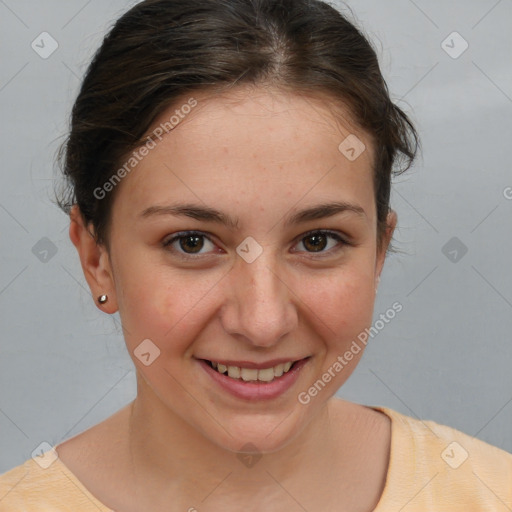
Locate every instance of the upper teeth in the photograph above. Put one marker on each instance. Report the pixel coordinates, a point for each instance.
(253, 374)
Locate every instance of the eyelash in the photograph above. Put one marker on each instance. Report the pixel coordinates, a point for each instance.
(187, 234)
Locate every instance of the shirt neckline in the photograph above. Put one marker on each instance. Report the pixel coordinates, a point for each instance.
(392, 477)
(399, 468)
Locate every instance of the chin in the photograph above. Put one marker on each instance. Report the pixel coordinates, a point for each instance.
(258, 434)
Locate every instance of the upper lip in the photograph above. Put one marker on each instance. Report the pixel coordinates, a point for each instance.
(256, 366)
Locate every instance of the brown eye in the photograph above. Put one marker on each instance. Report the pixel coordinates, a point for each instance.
(317, 241)
(193, 242)
(188, 243)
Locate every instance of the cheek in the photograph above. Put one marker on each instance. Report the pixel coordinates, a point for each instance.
(163, 304)
(346, 307)
(343, 303)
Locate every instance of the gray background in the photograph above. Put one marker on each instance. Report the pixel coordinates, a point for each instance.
(445, 357)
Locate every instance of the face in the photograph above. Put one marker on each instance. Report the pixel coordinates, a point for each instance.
(221, 251)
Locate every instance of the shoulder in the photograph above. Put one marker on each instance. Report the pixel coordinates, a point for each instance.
(44, 485)
(434, 463)
(457, 448)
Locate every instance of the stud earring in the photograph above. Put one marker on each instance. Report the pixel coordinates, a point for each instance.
(102, 299)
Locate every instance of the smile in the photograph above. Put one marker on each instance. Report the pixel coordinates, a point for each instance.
(269, 381)
(253, 374)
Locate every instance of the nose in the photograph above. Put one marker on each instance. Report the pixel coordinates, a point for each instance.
(260, 307)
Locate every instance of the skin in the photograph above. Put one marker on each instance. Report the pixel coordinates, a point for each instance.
(258, 155)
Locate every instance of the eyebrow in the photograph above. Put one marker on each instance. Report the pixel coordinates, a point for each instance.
(205, 213)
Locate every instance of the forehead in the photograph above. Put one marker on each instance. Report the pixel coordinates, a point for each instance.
(249, 143)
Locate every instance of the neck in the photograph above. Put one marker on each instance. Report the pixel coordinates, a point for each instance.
(178, 459)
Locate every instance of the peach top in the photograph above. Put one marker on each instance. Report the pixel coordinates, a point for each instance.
(432, 468)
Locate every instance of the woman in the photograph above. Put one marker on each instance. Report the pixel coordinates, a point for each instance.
(229, 168)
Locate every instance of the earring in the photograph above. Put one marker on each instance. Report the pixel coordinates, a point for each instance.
(102, 299)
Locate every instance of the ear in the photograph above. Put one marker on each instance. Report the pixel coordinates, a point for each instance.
(95, 261)
(381, 254)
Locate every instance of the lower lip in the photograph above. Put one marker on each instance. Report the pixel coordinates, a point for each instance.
(256, 390)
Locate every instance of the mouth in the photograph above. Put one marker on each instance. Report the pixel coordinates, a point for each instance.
(266, 382)
(245, 374)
